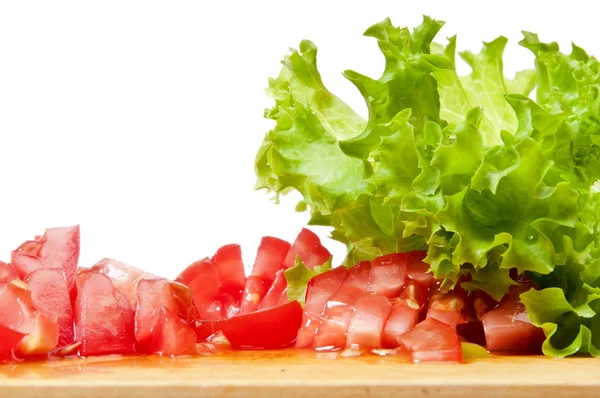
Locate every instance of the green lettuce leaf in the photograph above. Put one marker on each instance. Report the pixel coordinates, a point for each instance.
(298, 276)
(469, 168)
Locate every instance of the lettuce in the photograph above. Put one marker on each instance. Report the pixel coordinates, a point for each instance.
(470, 168)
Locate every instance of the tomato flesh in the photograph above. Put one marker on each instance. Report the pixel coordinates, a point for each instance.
(404, 313)
(418, 270)
(153, 295)
(104, 319)
(57, 248)
(171, 335)
(507, 328)
(277, 292)
(447, 308)
(50, 294)
(269, 261)
(367, 321)
(9, 339)
(432, 341)
(387, 276)
(7, 273)
(309, 248)
(319, 289)
(125, 278)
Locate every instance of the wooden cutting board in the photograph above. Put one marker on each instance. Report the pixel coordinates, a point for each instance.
(281, 374)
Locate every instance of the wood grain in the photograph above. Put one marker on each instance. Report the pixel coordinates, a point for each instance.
(279, 374)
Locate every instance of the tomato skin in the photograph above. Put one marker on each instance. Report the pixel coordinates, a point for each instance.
(309, 248)
(277, 293)
(57, 248)
(507, 328)
(319, 289)
(171, 335)
(432, 341)
(104, 320)
(50, 295)
(9, 339)
(7, 273)
(388, 274)
(269, 329)
(202, 278)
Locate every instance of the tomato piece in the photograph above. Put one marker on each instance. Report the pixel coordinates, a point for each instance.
(309, 248)
(269, 257)
(125, 278)
(447, 308)
(184, 297)
(276, 293)
(57, 248)
(404, 314)
(104, 319)
(202, 278)
(7, 273)
(335, 320)
(255, 289)
(269, 329)
(19, 314)
(368, 319)
(153, 295)
(388, 274)
(508, 328)
(50, 295)
(171, 335)
(418, 270)
(9, 339)
(319, 289)
(269, 260)
(230, 269)
(432, 341)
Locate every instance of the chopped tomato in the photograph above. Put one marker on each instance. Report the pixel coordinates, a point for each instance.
(418, 270)
(507, 328)
(269, 260)
(57, 248)
(447, 308)
(367, 321)
(309, 248)
(9, 339)
(50, 294)
(334, 323)
(271, 329)
(104, 319)
(276, 293)
(171, 335)
(125, 278)
(202, 278)
(404, 314)
(152, 296)
(387, 274)
(7, 273)
(230, 269)
(255, 289)
(432, 341)
(19, 314)
(217, 283)
(319, 289)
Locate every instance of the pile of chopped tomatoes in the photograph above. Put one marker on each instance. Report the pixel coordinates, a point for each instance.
(52, 307)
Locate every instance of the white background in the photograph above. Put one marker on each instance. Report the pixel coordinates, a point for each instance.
(140, 120)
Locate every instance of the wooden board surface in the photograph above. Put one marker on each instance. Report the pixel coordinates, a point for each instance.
(280, 374)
